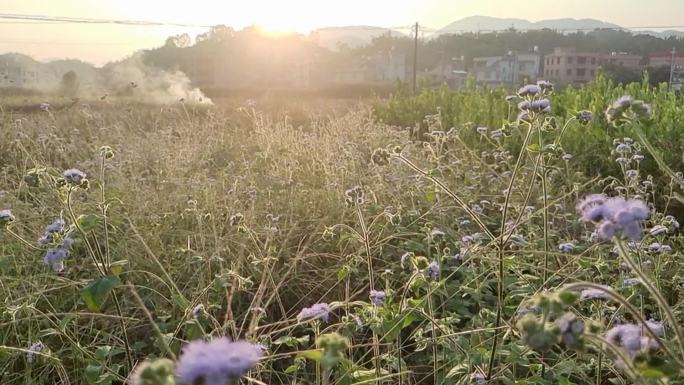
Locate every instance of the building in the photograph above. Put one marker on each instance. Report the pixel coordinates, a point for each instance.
(674, 62)
(450, 73)
(382, 67)
(16, 77)
(567, 66)
(625, 60)
(512, 68)
(666, 59)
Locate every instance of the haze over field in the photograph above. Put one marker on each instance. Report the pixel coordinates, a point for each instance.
(100, 43)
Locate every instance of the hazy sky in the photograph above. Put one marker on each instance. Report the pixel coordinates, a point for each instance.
(100, 43)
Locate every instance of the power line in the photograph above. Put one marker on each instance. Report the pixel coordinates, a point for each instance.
(85, 43)
(38, 19)
(83, 20)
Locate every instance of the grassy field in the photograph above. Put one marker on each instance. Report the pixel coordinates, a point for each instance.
(443, 255)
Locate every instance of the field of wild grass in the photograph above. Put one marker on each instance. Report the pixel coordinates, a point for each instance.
(466, 237)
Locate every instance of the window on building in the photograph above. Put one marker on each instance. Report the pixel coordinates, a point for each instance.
(593, 73)
(557, 72)
(582, 60)
(558, 60)
(581, 72)
(568, 72)
(593, 60)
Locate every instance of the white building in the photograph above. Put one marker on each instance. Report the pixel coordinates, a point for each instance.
(512, 68)
(382, 67)
(11, 77)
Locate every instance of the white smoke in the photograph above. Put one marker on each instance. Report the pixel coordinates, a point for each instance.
(132, 78)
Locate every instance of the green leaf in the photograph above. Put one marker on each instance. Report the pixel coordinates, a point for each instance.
(95, 293)
(64, 322)
(430, 196)
(118, 266)
(314, 355)
(568, 297)
(89, 222)
(342, 273)
(292, 341)
(92, 373)
(102, 352)
(534, 147)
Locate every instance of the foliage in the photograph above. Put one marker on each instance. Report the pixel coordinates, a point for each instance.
(456, 259)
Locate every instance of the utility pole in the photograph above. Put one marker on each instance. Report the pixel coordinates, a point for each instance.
(415, 57)
(672, 68)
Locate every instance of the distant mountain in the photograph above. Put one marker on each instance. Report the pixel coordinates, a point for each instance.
(488, 24)
(352, 36)
(662, 34)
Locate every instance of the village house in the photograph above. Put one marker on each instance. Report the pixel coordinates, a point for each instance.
(567, 66)
(511, 68)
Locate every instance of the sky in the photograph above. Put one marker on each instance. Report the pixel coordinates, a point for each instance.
(101, 43)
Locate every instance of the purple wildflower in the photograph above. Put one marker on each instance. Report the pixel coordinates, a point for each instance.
(628, 282)
(633, 339)
(672, 221)
(36, 347)
(654, 247)
(657, 230)
(433, 270)
(523, 116)
(497, 134)
(6, 217)
(436, 233)
(198, 311)
(216, 362)
(318, 311)
(478, 378)
(67, 242)
(377, 297)
(404, 258)
(623, 148)
(482, 130)
(525, 105)
(589, 294)
(567, 157)
(614, 214)
(631, 173)
(55, 227)
(584, 117)
(54, 258)
(529, 90)
(545, 85)
(657, 327)
(566, 247)
(542, 106)
(590, 202)
(74, 176)
(623, 102)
